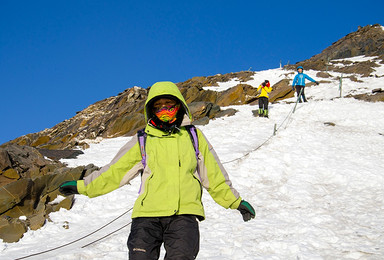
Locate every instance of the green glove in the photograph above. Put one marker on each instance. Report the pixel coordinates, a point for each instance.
(68, 188)
(246, 210)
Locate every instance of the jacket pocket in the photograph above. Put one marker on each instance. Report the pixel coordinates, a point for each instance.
(197, 178)
(146, 184)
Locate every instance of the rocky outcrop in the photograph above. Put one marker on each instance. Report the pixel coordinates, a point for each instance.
(31, 192)
(377, 95)
(368, 41)
(207, 110)
(114, 116)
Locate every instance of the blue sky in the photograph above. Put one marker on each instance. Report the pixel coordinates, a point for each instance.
(58, 57)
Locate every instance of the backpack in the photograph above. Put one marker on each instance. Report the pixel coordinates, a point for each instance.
(191, 129)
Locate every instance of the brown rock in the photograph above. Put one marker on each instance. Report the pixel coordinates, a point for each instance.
(5, 162)
(36, 221)
(12, 193)
(281, 90)
(60, 154)
(377, 90)
(323, 74)
(66, 203)
(41, 140)
(11, 230)
(236, 95)
(226, 112)
(11, 174)
(5, 180)
(129, 123)
(201, 121)
(200, 109)
(376, 97)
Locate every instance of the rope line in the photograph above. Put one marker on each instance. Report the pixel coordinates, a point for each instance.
(107, 235)
(81, 238)
(289, 115)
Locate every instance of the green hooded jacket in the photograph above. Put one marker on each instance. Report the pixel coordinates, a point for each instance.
(170, 183)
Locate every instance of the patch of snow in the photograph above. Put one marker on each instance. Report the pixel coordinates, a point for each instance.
(361, 58)
(57, 200)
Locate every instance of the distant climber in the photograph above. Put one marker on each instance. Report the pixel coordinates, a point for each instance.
(299, 83)
(264, 89)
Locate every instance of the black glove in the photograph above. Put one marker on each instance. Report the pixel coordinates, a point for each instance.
(293, 88)
(68, 188)
(246, 210)
(317, 83)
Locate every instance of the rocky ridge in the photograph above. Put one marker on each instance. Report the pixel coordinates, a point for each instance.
(367, 41)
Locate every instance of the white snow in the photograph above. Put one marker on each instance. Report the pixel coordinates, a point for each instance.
(273, 75)
(361, 58)
(317, 189)
(223, 85)
(57, 200)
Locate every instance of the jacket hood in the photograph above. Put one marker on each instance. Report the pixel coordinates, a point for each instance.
(164, 88)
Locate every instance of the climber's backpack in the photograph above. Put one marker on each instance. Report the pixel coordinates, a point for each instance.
(191, 129)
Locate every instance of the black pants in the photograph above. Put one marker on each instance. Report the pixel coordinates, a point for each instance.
(180, 235)
(263, 103)
(298, 89)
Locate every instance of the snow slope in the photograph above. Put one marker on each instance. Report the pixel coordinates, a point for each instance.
(317, 188)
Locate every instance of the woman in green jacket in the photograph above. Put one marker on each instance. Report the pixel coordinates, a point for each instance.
(169, 204)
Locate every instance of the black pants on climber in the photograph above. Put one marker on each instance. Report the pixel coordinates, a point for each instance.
(298, 89)
(179, 233)
(263, 106)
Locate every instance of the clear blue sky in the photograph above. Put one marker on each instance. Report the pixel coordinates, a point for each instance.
(58, 57)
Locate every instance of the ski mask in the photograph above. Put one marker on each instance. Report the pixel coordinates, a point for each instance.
(167, 114)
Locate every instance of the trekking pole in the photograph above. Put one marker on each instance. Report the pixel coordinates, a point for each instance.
(297, 101)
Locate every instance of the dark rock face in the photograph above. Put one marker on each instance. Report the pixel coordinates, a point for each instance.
(60, 154)
(31, 194)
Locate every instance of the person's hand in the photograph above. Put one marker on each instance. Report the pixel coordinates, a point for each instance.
(293, 88)
(317, 83)
(246, 210)
(68, 188)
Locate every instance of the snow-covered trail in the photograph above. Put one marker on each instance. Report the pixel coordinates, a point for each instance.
(318, 189)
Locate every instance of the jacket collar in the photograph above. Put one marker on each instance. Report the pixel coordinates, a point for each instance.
(149, 129)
